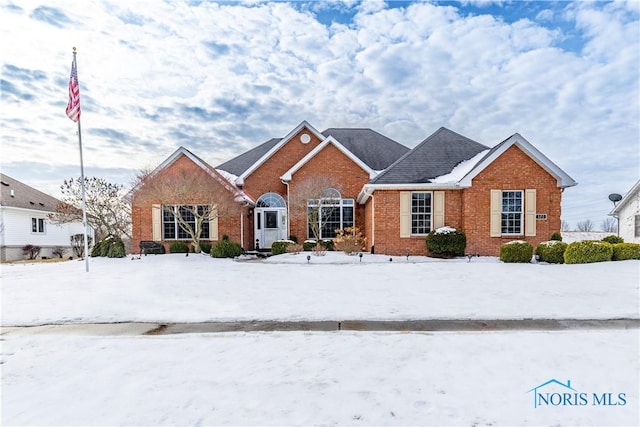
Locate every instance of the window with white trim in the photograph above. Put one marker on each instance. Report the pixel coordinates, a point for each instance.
(512, 212)
(37, 225)
(331, 212)
(421, 209)
(172, 229)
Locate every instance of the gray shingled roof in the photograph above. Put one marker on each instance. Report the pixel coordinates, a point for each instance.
(374, 149)
(244, 161)
(24, 196)
(435, 156)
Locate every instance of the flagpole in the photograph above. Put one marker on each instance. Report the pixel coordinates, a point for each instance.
(84, 199)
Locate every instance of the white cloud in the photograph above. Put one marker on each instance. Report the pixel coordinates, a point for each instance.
(221, 78)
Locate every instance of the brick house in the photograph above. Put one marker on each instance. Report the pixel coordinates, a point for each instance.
(396, 195)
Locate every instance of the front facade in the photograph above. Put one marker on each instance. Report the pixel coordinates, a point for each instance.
(627, 214)
(24, 221)
(395, 195)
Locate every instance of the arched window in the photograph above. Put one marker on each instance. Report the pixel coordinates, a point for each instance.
(271, 200)
(329, 213)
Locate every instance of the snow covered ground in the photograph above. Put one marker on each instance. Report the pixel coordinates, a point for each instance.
(175, 288)
(318, 378)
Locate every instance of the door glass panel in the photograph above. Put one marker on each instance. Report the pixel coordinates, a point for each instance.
(271, 219)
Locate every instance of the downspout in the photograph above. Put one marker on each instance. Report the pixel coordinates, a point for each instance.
(242, 227)
(373, 223)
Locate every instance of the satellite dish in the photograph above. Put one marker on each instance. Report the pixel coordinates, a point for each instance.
(615, 198)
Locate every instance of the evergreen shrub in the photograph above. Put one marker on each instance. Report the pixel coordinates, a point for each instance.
(552, 251)
(446, 242)
(516, 251)
(205, 247)
(623, 251)
(308, 245)
(178, 248)
(225, 248)
(613, 239)
(280, 246)
(588, 251)
(556, 236)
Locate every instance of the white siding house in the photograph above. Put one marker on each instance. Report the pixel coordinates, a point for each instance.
(23, 221)
(627, 211)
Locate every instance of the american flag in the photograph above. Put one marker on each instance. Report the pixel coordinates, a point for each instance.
(73, 107)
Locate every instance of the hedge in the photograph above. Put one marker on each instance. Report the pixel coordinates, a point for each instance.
(178, 248)
(225, 248)
(516, 251)
(446, 242)
(552, 251)
(588, 251)
(280, 246)
(623, 251)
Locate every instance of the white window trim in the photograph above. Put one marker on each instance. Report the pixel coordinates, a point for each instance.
(339, 203)
(177, 225)
(38, 222)
(411, 213)
(521, 212)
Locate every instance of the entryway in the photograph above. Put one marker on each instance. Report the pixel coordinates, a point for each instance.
(270, 220)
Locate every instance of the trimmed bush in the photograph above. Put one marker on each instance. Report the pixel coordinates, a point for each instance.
(552, 251)
(588, 251)
(327, 245)
(613, 239)
(225, 248)
(446, 242)
(111, 246)
(178, 248)
(308, 245)
(280, 246)
(556, 236)
(622, 251)
(516, 251)
(205, 247)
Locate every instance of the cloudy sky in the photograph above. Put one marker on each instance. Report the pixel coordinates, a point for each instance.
(222, 77)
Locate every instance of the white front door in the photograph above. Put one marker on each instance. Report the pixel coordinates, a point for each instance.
(271, 225)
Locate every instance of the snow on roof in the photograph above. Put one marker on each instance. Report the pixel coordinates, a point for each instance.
(460, 170)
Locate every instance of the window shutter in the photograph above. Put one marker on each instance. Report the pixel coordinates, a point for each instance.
(496, 213)
(530, 212)
(438, 209)
(405, 214)
(213, 228)
(156, 222)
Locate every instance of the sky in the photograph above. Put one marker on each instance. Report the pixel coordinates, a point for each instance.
(222, 77)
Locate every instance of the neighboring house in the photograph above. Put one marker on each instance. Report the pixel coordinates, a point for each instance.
(395, 195)
(627, 213)
(23, 221)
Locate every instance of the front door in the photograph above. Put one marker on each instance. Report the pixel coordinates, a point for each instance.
(271, 225)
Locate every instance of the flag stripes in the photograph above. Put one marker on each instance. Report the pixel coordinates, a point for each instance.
(73, 107)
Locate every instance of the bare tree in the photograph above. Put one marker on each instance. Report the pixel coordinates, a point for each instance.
(192, 196)
(586, 225)
(564, 226)
(317, 196)
(107, 211)
(609, 225)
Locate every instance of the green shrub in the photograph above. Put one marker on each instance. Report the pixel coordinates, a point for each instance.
(280, 246)
(622, 251)
(446, 242)
(516, 251)
(225, 248)
(96, 251)
(205, 247)
(556, 236)
(308, 245)
(552, 251)
(613, 239)
(327, 245)
(178, 248)
(588, 251)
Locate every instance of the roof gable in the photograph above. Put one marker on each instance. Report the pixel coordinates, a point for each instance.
(277, 146)
(200, 163)
(16, 194)
(631, 194)
(238, 165)
(517, 140)
(436, 156)
(288, 175)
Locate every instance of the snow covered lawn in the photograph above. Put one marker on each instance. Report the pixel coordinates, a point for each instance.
(314, 378)
(175, 288)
